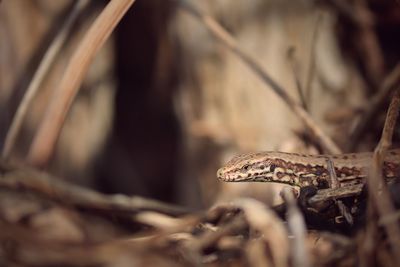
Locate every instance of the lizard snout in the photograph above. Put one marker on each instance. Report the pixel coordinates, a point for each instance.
(221, 174)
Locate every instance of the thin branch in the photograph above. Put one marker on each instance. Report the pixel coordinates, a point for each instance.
(334, 183)
(225, 38)
(28, 179)
(297, 227)
(45, 139)
(377, 189)
(39, 76)
(300, 90)
(311, 68)
(323, 195)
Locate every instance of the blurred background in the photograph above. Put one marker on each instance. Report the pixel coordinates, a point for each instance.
(164, 104)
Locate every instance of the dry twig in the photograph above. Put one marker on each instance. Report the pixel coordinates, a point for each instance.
(332, 193)
(377, 188)
(42, 183)
(334, 183)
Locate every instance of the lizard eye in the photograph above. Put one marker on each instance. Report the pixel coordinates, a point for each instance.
(246, 167)
(272, 167)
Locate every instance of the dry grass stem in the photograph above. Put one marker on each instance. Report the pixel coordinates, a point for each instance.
(164, 222)
(297, 227)
(294, 65)
(273, 231)
(377, 188)
(39, 76)
(45, 139)
(312, 61)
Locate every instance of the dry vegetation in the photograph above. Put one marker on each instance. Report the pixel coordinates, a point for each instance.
(100, 133)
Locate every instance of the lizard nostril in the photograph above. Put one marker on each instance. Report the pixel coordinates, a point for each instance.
(220, 174)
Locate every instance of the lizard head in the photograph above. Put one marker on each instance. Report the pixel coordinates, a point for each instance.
(255, 167)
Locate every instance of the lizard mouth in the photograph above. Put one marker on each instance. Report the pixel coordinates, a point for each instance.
(226, 177)
(229, 177)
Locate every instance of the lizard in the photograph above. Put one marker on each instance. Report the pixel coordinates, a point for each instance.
(300, 170)
(311, 177)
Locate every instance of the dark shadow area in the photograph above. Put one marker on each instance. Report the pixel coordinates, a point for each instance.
(142, 153)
